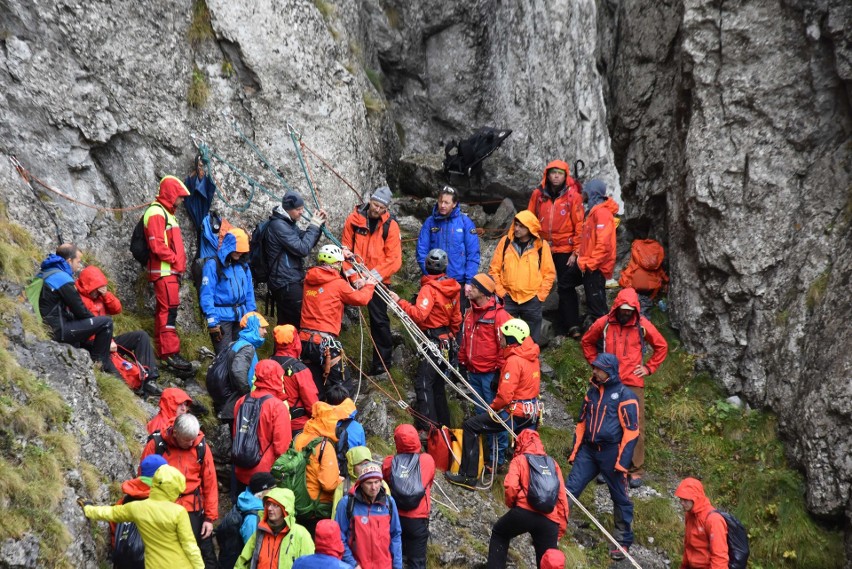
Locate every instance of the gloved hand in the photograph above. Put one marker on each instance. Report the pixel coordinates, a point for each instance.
(215, 333)
(83, 502)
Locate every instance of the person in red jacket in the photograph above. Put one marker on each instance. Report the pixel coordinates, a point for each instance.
(326, 294)
(592, 263)
(181, 445)
(173, 403)
(92, 286)
(545, 528)
(273, 428)
(414, 521)
(552, 559)
(166, 265)
(480, 352)
(517, 399)
(558, 204)
(625, 333)
(436, 312)
(298, 383)
(705, 539)
(371, 234)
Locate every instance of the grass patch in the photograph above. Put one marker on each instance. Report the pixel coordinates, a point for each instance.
(198, 91)
(200, 28)
(326, 9)
(375, 78)
(816, 291)
(227, 68)
(373, 104)
(392, 15)
(128, 416)
(380, 446)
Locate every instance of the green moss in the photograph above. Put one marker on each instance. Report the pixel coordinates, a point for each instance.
(198, 91)
(400, 132)
(816, 291)
(200, 28)
(393, 18)
(227, 68)
(375, 78)
(129, 417)
(373, 104)
(326, 9)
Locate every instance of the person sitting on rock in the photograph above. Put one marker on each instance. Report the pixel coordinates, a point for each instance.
(92, 286)
(298, 382)
(174, 402)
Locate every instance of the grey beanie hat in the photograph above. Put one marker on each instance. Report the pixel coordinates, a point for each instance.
(382, 195)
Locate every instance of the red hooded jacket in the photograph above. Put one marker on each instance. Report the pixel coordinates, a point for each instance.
(517, 481)
(164, 238)
(520, 377)
(561, 218)
(383, 255)
(170, 400)
(705, 539)
(597, 243)
(327, 539)
(552, 559)
(625, 341)
(273, 429)
(408, 442)
(437, 304)
(91, 278)
(326, 291)
(300, 389)
(480, 350)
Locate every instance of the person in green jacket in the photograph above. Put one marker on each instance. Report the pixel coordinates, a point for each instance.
(164, 525)
(279, 540)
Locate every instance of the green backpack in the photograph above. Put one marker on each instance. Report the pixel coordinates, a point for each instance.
(289, 471)
(33, 291)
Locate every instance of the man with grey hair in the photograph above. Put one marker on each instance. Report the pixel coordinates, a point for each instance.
(184, 447)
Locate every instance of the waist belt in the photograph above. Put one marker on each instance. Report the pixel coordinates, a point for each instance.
(315, 336)
(442, 333)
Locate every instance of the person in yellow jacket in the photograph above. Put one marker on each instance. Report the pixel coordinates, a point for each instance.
(278, 540)
(523, 271)
(163, 524)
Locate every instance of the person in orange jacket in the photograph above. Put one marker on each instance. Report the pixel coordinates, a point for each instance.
(436, 312)
(705, 539)
(545, 528)
(166, 265)
(558, 204)
(299, 385)
(372, 236)
(517, 400)
(181, 445)
(523, 271)
(326, 293)
(592, 264)
(624, 332)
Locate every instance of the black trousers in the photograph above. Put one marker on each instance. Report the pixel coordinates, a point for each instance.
(517, 521)
(230, 333)
(139, 342)
(288, 304)
(431, 395)
(483, 424)
(208, 553)
(564, 290)
(415, 536)
(594, 285)
(381, 332)
(77, 332)
(338, 375)
(529, 312)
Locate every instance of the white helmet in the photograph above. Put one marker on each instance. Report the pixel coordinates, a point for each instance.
(330, 254)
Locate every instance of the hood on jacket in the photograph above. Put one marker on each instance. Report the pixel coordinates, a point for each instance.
(54, 261)
(453, 212)
(251, 333)
(167, 484)
(137, 488)
(242, 239)
(608, 363)
(228, 246)
(529, 220)
(287, 341)
(406, 439)
(527, 349)
(692, 489)
(596, 190)
(357, 455)
(553, 559)
(170, 400)
(90, 279)
(320, 275)
(529, 442)
(327, 539)
(248, 502)
(448, 287)
(171, 189)
(626, 296)
(323, 421)
(346, 409)
(562, 165)
(285, 498)
(269, 376)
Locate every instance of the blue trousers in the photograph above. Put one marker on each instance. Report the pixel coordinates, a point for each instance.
(592, 459)
(481, 383)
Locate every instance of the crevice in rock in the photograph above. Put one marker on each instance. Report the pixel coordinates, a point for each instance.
(246, 75)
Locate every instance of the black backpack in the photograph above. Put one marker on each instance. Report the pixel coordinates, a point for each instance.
(129, 550)
(465, 157)
(138, 242)
(342, 445)
(245, 450)
(258, 262)
(543, 491)
(405, 482)
(738, 550)
(218, 380)
(229, 538)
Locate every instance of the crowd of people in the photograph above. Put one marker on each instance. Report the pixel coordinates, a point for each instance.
(306, 491)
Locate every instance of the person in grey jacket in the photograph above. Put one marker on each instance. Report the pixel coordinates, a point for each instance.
(285, 249)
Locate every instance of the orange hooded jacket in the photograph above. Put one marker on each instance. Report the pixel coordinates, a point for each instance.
(437, 304)
(170, 400)
(523, 276)
(705, 539)
(165, 241)
(597, 241)
(517, 481)
(323, 477)
(375, 252)
(520, 377)
(561, 217)
(326, 291)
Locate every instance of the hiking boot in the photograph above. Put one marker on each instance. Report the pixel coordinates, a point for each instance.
(502, 468)
(600, 479)
(461, 480)
(177, 363)
(150, 387)
(616, 555)
(575, 333)
(635, 482)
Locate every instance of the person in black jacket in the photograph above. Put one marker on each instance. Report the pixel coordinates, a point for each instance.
(63, 310)
(285, 249)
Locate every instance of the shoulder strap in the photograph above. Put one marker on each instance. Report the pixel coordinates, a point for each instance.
(386, 226)
(159, 443)
(200, 449)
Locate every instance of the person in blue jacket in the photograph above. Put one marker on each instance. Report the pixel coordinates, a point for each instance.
(606, 434)
(227, 291)
(202, 189)
(452, 231)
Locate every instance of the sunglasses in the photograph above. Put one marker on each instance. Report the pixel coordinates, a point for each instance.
(448, 190)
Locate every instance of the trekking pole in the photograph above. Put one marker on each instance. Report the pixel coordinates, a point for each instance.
(603, 529)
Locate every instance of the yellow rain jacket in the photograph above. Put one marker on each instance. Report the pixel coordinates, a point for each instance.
(525, 275)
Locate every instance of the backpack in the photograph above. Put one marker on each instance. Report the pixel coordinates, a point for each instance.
(245, 450)
(438, 446)
(466, 156)
(543, 491)
(128, 551)
(405, 481)
(738, 550)
(132, 372)
(506, 246)
(342, 445)
(160, 447)
(138, 242)
(644, 272)
(33, 291)
(229, 538)
(290, 469)
(258, 262)
(218, 379)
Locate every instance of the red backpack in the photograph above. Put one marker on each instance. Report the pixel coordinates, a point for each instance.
(132, 372)
(644, 272)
